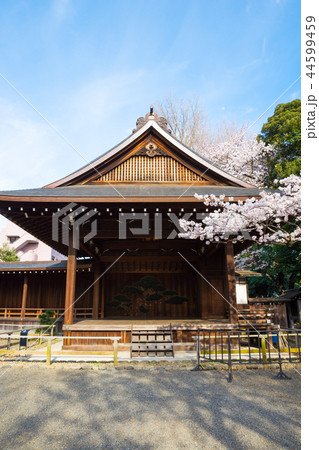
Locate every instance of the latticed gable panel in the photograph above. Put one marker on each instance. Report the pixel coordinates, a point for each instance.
(156, 168)
(150, 154)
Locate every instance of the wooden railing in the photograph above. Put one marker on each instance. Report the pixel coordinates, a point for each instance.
(260, 315)
(276, 313)
(83, 313)
(80, 313)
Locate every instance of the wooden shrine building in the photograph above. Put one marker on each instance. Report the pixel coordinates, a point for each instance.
(122, 210)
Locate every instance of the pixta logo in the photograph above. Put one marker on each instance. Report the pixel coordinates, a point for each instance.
(73, 216)
(156, 220)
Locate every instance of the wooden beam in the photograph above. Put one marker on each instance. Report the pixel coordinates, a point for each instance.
(159, 270)
(142, 258)
(231, 281)
(88, 251)
(24, 296)
(70, 283)
(165, 244)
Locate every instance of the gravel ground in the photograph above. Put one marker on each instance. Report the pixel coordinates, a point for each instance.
(156, 408)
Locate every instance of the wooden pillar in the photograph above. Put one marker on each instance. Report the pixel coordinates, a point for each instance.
(231, 281)
(24, 296)
(96, 291)
(102, 295)
(70, 284)
(204, 290)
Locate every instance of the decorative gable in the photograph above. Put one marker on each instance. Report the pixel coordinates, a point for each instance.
(146, 168)
(150, 162)
(150, 168)
(150, 155)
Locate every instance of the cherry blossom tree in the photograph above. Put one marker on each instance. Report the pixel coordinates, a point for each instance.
(272, 220)
(273, 217)
(242, 155)
(230, 146)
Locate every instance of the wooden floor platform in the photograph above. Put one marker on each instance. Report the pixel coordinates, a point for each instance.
(128, 324)
(182, 331)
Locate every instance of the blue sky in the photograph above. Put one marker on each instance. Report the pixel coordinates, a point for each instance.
(93, 67)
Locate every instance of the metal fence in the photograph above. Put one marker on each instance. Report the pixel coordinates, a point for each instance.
(249, 347)
(50, 338)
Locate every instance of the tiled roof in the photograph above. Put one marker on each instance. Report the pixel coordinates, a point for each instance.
(33, 265)
(139, 190)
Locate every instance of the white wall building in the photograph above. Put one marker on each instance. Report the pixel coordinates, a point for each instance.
(242, 293)
(27, 247)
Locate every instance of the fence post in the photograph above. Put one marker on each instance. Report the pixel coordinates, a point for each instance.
(281, 375)
(198, 365)
(49, 352)
(263, 349)
(298, 344)
(230, 370)
(115, 352)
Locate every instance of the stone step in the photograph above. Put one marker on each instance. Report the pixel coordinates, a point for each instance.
(152, 347)
(157, 354)
(150, 342)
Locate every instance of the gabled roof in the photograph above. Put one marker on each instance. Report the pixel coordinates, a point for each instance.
(150, 127)
(150, 149)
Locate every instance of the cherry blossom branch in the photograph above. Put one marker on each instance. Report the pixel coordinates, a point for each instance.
(273, 217)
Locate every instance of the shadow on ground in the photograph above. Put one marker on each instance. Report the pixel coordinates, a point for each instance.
(147, 409)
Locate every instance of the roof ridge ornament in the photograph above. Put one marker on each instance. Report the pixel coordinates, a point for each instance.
(161, 121)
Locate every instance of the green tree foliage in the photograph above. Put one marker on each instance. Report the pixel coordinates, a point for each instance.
(7, 253)
(283, 131)
(279, 266)
(47, 318)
